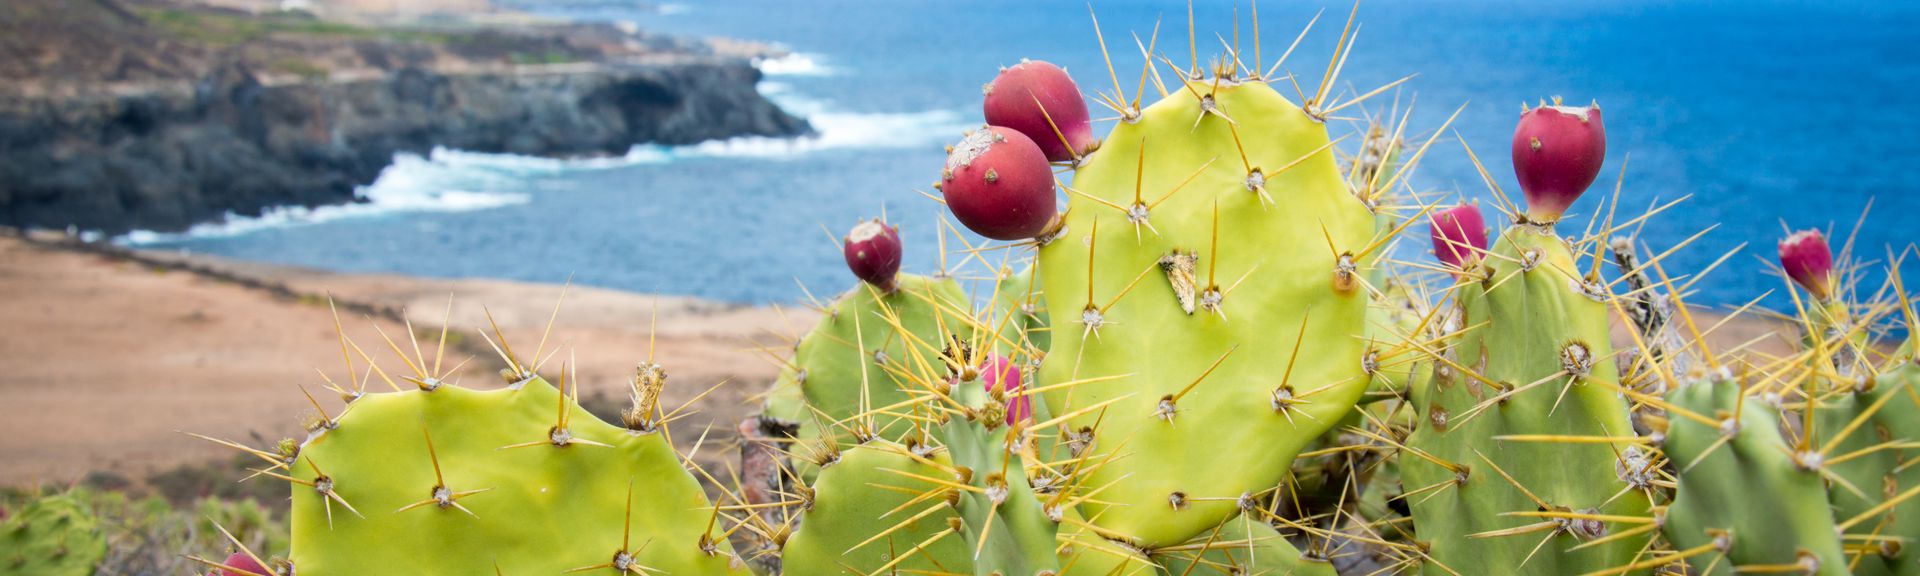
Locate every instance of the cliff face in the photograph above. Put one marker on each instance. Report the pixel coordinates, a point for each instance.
(118, 115)
(164, 159)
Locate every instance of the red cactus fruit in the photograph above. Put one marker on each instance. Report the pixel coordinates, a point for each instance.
(1001, 373)
(872, 250)
(1809, 262)
(998, 183)
(1557, 152)
(1025, 96)
(1459, 236)
(243, 562)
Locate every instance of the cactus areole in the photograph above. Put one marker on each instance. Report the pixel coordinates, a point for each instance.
(999, 184)
(1037, 99)
(872, 250)
(1557, 152)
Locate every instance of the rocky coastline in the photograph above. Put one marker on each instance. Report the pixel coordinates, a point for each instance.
(195, 131)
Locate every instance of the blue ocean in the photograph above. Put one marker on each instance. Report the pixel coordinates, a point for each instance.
(1768, 115)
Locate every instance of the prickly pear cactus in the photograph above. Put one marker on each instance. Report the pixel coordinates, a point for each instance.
(55, 535)
(962, 504)
(1022, 314)
(1007, 526)
(881, 507)
(1205, 297)
(1520, 436)
(1241, 547)
(449, 480)
(1083, 552)
(958, 475)
(851, 362)
(1745, 500)
(1869, 432)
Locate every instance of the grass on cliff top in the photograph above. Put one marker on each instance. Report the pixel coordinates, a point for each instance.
(227, 28)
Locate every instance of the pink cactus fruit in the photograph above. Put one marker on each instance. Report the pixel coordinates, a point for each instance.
(999, 184)
(1807, 259)
(872, 250)
(1002, 374)
(1027, 95)
(245, 564)
(1459, 236)
(1557, 152)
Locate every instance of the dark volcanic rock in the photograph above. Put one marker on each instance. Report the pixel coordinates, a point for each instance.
(165, 157)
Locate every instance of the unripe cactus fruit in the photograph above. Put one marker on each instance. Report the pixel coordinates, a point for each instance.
(1557, 152)
(999, 184)
(1808, 260)
(872, 250)
(1039, 100)
(1459, 236)
(239, 564)
(1001, 374)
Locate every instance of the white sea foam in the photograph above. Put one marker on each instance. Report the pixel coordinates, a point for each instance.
(411, 184)
(795, 64)
(517, 165)
(839, 129)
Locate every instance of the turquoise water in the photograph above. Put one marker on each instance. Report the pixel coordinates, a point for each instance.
(1764, 112)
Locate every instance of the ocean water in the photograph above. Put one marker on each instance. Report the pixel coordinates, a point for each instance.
(1766, 113)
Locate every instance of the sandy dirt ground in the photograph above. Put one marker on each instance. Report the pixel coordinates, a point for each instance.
(110, 360)
(107, 361)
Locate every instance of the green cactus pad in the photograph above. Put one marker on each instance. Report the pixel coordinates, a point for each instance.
(1242, 547)
(54, 535)
(878, 503)
(1746, 504)
(1082, 552)
(1019, 538)
(1879, 452)
(1025, 316)
(1272, 272)
(545, 508)
(1541, 367)
(849, 349)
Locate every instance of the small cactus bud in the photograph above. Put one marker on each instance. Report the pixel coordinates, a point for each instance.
(1025, 96)
(1809, 262)
(872, 250)
(246, 565)
(1003, 375)
(1557, 152)
(1459, 236)
(1017, 203)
